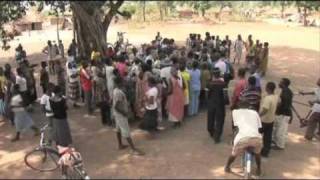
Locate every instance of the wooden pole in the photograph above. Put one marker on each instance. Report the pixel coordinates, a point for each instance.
(58, 27)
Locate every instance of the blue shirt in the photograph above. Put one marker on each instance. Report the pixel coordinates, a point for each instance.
(258, 80)
(195, 82)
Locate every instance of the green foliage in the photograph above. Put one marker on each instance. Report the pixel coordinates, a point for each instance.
(13, 10)
(130, 8)
(311, 5)
(9, 11)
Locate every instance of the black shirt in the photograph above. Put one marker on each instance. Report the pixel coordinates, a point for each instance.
(284, 107)
(215, 94)
(59, 108)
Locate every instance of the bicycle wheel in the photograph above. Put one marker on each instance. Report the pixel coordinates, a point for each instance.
(247, 166)
(42, 159)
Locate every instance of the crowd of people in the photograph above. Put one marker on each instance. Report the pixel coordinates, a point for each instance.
(156, 82)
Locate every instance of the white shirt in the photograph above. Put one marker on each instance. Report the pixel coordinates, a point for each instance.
(248, 122)
(221, 65)
(153, 92)
(45, 101)
(166, 73)
(22, 82)
(316, 106)
(110, 79)
(16, 100)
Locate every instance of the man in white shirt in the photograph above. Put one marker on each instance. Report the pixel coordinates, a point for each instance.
(46, 108)
(314, 118)
(221, 65)
(249, 126)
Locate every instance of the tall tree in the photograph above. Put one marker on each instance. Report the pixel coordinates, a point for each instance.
(160, 6)
(92, 19)
(307, 7)
(9, 11)
(143, 3)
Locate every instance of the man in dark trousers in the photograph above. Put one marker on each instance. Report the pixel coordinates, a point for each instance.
(267, 114)
(216, 106)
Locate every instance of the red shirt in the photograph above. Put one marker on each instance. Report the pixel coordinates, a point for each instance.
(122, 68)
(239, 87)
(85, 80)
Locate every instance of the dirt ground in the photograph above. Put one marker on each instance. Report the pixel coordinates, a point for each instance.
(187, 152)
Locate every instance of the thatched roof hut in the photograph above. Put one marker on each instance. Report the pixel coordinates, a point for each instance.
(31, 21)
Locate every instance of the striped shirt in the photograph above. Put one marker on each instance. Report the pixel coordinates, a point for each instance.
(253, 96)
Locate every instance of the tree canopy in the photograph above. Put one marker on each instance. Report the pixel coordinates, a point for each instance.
(92, 18)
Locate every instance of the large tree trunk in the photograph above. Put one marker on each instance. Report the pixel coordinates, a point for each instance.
(282, 10)
(160, 10)
(220, 13)
(305, 22)
(58, 37)
(90, 30)
(144, 11)
(166, 8)
(203, 12)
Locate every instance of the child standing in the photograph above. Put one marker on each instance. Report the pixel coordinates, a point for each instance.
(267, 114)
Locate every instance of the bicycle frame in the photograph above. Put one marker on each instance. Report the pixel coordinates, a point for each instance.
(42, 140)
(247, 161)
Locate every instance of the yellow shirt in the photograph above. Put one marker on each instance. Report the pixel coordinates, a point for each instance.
(186, 78)
(95, 55)
(2, 83)
(270, 103)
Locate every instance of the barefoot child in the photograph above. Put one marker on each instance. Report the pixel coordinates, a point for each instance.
(120, 110)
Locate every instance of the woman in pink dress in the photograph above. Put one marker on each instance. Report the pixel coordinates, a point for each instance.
(175, 103)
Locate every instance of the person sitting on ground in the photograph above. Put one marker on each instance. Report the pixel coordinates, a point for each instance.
(249, 126)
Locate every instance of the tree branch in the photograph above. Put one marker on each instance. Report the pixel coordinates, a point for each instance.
(113, 10)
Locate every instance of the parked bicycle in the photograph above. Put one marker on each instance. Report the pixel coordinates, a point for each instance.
(45, 158)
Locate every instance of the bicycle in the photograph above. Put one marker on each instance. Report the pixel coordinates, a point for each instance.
(42, 154)
(247, 162)
(45, 154)
(303, 121)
